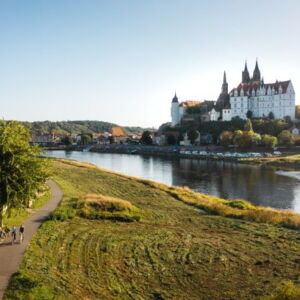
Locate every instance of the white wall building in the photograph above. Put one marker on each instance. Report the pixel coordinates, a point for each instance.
(261, 99)
(252, 94)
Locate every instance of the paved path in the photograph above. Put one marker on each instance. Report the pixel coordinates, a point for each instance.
(11, 255)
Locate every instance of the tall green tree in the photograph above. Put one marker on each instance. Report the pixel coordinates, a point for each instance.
(146, 138)
(22, 171)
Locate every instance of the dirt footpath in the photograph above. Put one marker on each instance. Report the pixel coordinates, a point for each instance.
(11, 255)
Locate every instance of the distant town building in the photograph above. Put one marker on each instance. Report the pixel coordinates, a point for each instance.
(252, 96)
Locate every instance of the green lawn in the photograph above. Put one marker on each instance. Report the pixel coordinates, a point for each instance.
(176, 250)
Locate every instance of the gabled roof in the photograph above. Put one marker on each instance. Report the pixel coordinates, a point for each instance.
(248, 87)
(117, 131)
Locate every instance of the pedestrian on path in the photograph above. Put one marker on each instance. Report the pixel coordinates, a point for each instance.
(13, 235)
(21, 233)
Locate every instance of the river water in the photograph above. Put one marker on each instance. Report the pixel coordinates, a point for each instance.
(229, 180)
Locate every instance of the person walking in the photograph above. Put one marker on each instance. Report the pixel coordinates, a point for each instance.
(21, 232)
(13, 235)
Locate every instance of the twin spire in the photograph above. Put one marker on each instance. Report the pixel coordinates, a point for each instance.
(246, 76)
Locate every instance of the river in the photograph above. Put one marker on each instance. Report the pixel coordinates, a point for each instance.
(229, 180)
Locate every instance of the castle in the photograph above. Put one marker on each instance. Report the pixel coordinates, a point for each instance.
(252, 96)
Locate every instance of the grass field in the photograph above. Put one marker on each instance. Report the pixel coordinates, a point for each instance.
(177, 250)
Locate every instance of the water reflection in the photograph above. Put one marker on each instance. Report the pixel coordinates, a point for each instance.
(223, 179)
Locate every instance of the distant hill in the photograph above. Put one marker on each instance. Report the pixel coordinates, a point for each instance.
(76, 127)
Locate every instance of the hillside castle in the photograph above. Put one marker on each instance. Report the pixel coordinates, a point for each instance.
(252, 96)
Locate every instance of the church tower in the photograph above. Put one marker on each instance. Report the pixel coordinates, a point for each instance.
(175, 111)
(256, 73)
(245, 74)
(224, 85)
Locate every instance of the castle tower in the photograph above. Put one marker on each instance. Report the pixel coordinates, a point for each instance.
(256, 73)
(175, 111)
(225, 84)
(245, 74)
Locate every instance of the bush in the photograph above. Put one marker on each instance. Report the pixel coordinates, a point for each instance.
(286, 138)
(269, 141)
(286, 291)
(226, 138)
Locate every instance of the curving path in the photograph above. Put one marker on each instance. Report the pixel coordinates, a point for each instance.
(11, 255)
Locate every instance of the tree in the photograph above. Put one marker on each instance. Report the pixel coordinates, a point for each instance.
(86, 139)
(192, 134)
(249, 114)
(171, 140)
(246, 139)
(248, 125)
(146, 138)
(111, 139)
(67, 140)
(269, 141)
(286, 138)
(22, 171)
(226, 138)
(271, 116)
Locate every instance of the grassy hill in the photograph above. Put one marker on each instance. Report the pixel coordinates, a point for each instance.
(76, 127)
(175, 251)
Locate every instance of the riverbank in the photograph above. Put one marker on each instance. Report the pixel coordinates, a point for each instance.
(185, 245)
(291, 162)
(288, 158)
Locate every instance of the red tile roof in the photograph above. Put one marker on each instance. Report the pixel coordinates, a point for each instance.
(117, 131)
(248, 87)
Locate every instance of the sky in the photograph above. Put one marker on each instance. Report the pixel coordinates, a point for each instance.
(121, 61)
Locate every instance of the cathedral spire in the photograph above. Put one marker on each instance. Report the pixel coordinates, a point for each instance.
(256, 73)
(225, 84)
(245, 74)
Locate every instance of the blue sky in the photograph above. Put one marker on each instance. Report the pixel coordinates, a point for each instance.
(121, 61)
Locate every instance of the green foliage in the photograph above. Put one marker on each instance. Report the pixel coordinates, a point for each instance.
(271, 116)
(23, 172)
(146, 138)
(176, 246)
(287, 290)
(249, 114)
(286, 138)
(193, 135)
(246, 139)
(215, 128)
(171, 140)
(248, 125)
(23, 287)
(75, 127)
(269, 141)
(267, 126)
(86, 139)
(67, 140)
(193, 110)
(226, 138)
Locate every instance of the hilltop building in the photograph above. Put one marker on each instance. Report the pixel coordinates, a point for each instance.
(251, 95)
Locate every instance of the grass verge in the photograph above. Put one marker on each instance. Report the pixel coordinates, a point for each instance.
(180, 249)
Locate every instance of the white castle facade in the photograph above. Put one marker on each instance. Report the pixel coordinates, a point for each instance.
(251, 95)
